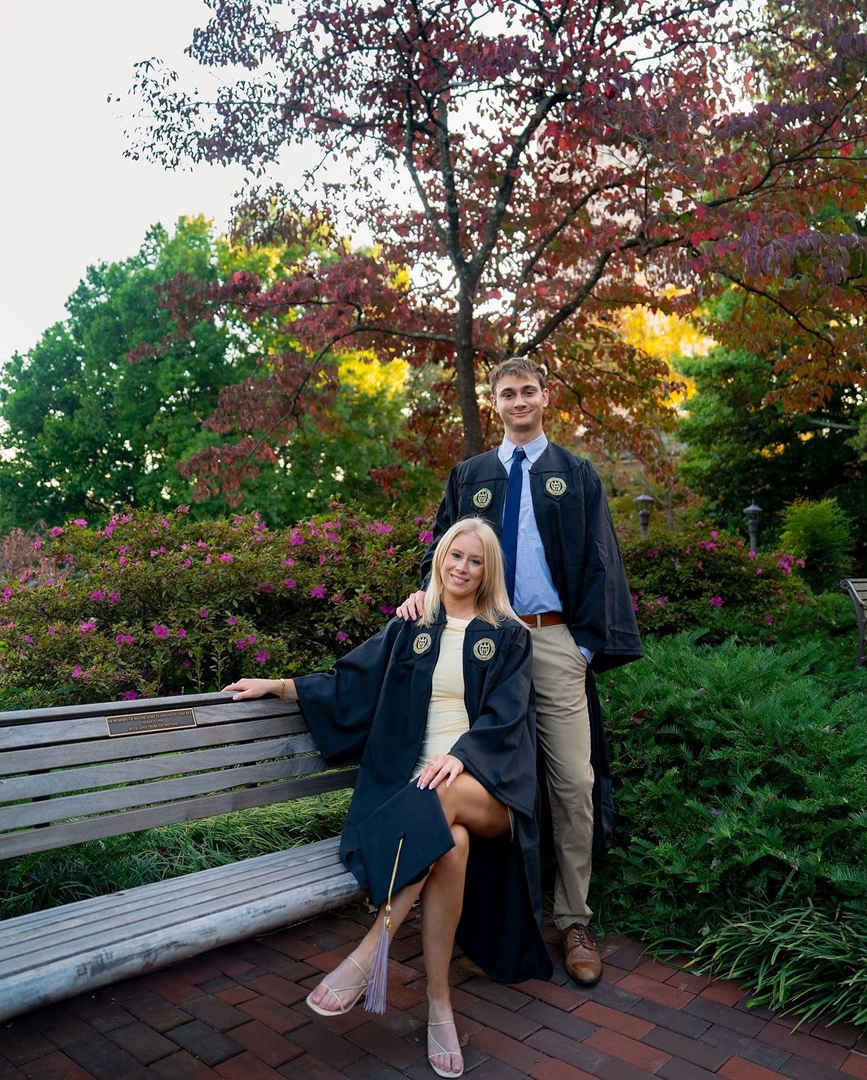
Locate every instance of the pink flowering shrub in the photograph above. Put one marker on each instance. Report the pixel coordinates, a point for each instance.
(157, 604)
(707, 577)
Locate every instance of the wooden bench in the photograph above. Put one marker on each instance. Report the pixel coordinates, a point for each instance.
(857, 589)
(66, 778)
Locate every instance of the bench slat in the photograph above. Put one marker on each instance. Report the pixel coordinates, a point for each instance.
(74, 832)
(129, 746)
(42, 984)
(127, 772)
(99, 930)
(95, 727)
(113, 708)
(22, 815)
(68, 916)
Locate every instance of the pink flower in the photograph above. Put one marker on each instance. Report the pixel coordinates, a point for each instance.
(295, 538)
(114, 597)
(207, 560)
(390, 550)
(381, 527)
(52, 629)
(713, 534)
(240, 644)
(262, 656)
(426, 536)
(265, 587)
(182, 633)
(77, 673)
(323, 559)
(97, 594)
(120, 638)
(28, 639)
(758, 571)
(386, 609)
(227, 557)
(716, 601)
(129, 695)
(337, 598)
(288, 562)
(182, 509)
(154, 553)
(319, 591)
(57, 531)
(203, 614)
(87, 626)
(201, 544)
(341, 636)
(160, 631)
(769, 619)
(37, 544)
(239, 520)
(122, 560)
(80, 521)
(231, 620)
(251, 639)
(288, 584)
(187, 563)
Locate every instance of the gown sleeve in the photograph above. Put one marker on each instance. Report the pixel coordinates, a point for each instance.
(605, 616)
(339, 705)
(447, 515)
(499, 749)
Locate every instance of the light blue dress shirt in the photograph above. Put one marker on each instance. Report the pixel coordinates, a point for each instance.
(534, 587)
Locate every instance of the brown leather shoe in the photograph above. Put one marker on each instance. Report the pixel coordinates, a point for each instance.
(582, 958)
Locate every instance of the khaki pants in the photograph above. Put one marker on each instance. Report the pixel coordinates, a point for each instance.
(563, 727)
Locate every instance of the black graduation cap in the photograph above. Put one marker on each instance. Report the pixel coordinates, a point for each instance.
(413, 815)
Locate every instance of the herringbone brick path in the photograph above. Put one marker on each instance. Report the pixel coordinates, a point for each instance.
(239, 1014)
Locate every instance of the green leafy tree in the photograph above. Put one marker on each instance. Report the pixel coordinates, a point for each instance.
(85, 430)
(741, 444)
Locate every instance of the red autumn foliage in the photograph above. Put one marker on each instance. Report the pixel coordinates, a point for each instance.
(529, 169)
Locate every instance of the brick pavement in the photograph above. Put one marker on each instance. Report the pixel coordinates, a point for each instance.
(238, 1013)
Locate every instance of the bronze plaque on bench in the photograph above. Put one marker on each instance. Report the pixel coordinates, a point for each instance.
(145, 723)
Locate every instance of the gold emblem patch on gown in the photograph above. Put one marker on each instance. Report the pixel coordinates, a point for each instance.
(482, 497)
(421, 644)
(556, 485)
(484, 649)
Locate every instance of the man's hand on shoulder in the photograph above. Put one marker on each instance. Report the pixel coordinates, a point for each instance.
(412, 607)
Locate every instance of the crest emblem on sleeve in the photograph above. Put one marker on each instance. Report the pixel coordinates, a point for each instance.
(484, 649)
(482, 498)
(556, 485)
(421, 644)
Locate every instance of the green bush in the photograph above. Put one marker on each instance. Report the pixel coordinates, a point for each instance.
(741, 777)
(820, 534)
(160, 604)
(679, 580)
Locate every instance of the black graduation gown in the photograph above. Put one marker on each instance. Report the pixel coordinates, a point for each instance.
(372, 708)
(586, 567)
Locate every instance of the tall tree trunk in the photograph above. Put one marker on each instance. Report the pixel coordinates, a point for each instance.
(466, 376)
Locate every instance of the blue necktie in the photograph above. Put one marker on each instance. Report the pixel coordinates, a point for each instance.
(510, 520)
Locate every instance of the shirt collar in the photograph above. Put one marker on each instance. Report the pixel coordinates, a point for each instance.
(532, 449)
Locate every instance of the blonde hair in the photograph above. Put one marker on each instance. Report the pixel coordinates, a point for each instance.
(492, 600)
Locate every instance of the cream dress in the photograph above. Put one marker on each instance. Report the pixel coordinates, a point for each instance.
(447, 716)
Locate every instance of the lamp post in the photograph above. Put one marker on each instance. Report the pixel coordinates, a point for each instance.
(752, 513)
(645, 505)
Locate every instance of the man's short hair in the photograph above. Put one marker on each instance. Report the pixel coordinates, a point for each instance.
(517, 365)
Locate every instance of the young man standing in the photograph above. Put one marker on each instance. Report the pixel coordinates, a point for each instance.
(566, 580)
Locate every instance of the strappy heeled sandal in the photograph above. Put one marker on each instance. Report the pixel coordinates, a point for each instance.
(442, 1050)
(339, 990)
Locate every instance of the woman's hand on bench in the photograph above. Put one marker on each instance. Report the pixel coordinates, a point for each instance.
(255, 688)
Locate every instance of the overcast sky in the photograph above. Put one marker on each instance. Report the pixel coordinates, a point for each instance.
(69, 197)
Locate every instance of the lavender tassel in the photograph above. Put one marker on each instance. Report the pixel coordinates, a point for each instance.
(377, 979)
